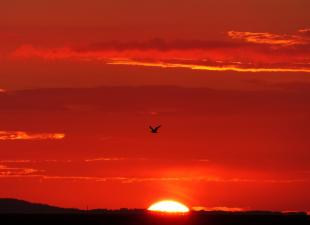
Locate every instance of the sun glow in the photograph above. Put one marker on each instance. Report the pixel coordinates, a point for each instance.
(169, 206)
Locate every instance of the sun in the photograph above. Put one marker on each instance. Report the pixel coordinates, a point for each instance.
(169, 206)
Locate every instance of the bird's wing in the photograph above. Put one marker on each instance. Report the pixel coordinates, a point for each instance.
(151, 127)
(156, 128)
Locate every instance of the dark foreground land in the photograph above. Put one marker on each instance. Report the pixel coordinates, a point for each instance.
(19, 212)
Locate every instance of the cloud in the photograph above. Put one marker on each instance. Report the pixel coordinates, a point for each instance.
(24, 161)
(219, 208)
(202, 160)
(9, 172)
(22, 135)
(104, 159)
(270, 38)
(165, 100)
(253, 52)
(16, 161)
(99, 159)
(304, 31)
(157, 44)
(209, 68)
(6, 171)
(107, 159)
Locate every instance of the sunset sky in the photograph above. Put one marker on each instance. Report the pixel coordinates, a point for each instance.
(228, 80)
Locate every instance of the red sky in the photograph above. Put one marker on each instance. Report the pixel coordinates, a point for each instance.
(229, 81)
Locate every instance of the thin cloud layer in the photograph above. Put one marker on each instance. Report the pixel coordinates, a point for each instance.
(270, 38)
(38, 169)
(22, 135)
(12, 172)
(209, 68)
(304, 31)
(6, 171)
(244, 52)
(219, 208)
(107, 159)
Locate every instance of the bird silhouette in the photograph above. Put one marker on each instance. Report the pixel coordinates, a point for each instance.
(154, 130)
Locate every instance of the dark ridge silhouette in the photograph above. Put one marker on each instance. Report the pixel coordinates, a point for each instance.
(20, 212)
(14, 206)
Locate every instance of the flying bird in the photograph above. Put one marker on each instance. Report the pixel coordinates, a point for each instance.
(154, 130)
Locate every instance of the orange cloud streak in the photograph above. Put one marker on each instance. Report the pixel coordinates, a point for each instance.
(105, 159)
(269, 38)
(223, 61)
(6, 171)
(280, 53)
(304, 31)
(21, 135)
(218, 208)
(210, 68)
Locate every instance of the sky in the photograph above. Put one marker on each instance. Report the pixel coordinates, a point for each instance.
(228, 80)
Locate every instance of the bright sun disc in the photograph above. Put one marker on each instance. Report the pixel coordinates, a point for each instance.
(169, 206)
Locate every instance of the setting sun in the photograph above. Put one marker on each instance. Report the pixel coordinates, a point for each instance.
(169, 206)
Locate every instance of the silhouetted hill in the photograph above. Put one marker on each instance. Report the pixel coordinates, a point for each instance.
(19, 212)
(14, 206)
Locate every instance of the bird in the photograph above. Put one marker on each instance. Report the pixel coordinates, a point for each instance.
(154, 130)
